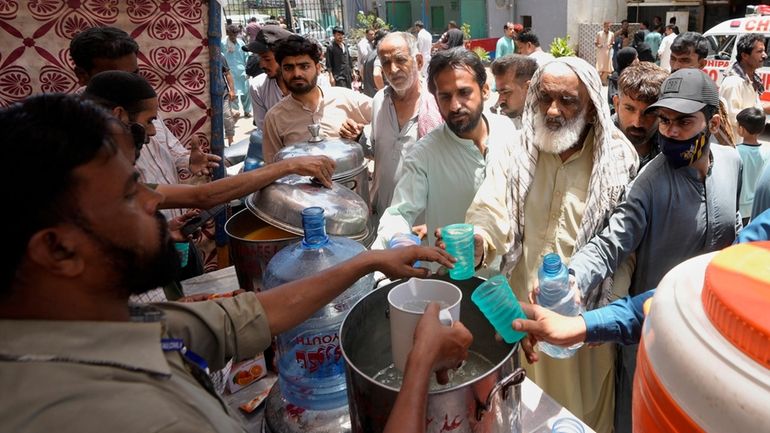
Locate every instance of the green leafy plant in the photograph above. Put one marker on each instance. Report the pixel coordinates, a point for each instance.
(482, 53)
(366, 21)
(560, 47)
(466, 28)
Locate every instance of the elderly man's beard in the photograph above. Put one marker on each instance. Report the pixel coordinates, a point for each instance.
(557, 135)
(401, 82)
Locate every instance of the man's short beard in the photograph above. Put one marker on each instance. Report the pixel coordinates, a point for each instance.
(561, 139)
(136, 273)
(304, 88)
(473, 120)
(637, 140)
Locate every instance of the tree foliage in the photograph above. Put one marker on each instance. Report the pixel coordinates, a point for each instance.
(560, 47)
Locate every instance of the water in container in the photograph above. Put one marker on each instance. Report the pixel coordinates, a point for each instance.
(310, 364)
(556, 295)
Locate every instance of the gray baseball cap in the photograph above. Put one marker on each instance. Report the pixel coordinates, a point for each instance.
(687, 91)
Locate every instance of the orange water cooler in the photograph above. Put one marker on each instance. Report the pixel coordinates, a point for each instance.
(704, 357)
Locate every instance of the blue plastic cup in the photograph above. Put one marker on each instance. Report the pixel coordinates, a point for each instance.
(458, 239)
(183, 249)
(496, 300)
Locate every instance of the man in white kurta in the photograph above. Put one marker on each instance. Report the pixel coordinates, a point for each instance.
(742, 86)
(664, 50)
(424, 45)
(603, 44)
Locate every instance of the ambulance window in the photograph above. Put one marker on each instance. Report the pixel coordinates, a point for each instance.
(713, 45)
(725, 47)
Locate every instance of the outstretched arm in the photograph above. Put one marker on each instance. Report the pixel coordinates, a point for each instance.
(290, 304)
(618, 322)
(220, 191)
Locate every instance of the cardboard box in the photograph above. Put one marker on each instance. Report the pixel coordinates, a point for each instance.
(245, 373)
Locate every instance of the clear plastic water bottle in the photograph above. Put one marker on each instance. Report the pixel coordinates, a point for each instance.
(556, 295)
(250, 164)
(310, 363)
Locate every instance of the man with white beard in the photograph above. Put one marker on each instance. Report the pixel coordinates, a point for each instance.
(569, 168)
(402, 113)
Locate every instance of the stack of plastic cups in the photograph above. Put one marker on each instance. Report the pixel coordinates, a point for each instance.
(404, 240)
(458, 239)
(496, 300)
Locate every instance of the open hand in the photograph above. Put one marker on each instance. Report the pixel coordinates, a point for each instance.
(545, 325)
(351, 129)
(201, 163)
(320, 167)
(397, 262)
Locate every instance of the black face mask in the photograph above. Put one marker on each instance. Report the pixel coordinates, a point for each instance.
(681, 153)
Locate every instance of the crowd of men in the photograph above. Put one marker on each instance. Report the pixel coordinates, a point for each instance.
(621, 198)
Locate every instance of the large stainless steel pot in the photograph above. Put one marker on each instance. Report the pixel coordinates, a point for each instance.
(487, 404)
(348, 155)
(251, 256)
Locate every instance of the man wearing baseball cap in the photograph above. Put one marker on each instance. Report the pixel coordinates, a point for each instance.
(683, 204)
(268, 88)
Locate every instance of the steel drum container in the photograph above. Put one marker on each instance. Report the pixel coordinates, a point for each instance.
(275, 211)
(253, 242)
(350, 169)
(486, 404)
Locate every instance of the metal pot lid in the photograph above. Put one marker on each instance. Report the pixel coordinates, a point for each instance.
(281, 203)
(348, 155)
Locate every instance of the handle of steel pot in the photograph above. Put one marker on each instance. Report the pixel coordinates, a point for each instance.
(513, 379)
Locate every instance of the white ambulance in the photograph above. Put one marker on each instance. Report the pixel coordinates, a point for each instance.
(723, 39)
